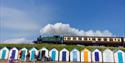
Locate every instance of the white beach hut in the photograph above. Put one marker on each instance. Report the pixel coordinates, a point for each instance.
(119, 56)
(33, 52)
(64, 55)
(53, 53)
(96, 56)
(86, 56)
(4, 53)
(43, 53)
(23, 53)
(74, 55)
(108, 56)
(13, 53)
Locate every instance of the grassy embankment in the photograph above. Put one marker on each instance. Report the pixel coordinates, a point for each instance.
(59, 46)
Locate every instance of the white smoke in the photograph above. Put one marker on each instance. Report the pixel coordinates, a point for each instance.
(67, 30)
(17, 41)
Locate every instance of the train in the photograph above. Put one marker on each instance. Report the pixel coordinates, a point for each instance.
(82, 40)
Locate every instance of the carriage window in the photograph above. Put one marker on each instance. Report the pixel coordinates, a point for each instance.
(117, 39)
(71, 38)
(65, 38)
(89, 39)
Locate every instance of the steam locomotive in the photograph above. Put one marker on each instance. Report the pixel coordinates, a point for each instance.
(82, 40)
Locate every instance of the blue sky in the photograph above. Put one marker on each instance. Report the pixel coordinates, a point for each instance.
(25, 18)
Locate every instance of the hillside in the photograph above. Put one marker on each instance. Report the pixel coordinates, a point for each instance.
(59, 46)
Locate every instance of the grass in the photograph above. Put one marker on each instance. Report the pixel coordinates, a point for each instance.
(59, 46)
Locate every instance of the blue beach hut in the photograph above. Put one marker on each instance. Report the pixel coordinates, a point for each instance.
(23, 53)
(64, 55)
(13, 53)
(53, 53)
(33, 52)
(74, 55)
(96, 56)
(119, 56)
(4, 52)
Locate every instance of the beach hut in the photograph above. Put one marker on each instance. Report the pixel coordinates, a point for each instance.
(74, 55)
(4, 52)
(119, 56)
(43, 53)
(96, 56)
(33, 52)
(23, 53)
(86, 56)
(13, 53)
(53, 53)
(108, 56)
(64, 55)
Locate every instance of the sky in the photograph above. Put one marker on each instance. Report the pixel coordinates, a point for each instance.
(25, 20)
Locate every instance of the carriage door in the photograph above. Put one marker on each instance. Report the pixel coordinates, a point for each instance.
(120, 57)
(96, 56)
(53, 55)
(64, 56)
(3, 54)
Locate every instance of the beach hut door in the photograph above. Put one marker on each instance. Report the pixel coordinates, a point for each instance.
(23, 55)
(13, 54)
(43, 53)
(86, 56)
(74, 56)
(3, 54)
(53, 55)
(120, 58)
(64, 56)
(96, 56)
(32, 55)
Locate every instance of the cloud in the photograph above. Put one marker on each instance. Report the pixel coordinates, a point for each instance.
(18, 41)
(67, 30)
(17, 20)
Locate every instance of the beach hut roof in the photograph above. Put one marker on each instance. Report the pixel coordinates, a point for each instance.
(85, 49)
(74, 49)
(43, 49)
(119, 51)
(33, 48)
(107, 50)
(64, 49)
(5, 48)
(54, 49)
(96, 50)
